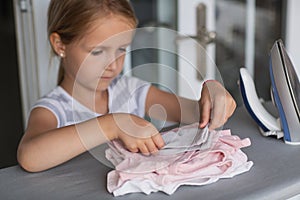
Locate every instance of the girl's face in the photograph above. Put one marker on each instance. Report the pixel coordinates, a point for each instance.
(96, 59)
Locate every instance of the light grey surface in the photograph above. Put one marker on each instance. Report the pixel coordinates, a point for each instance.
(275, 175)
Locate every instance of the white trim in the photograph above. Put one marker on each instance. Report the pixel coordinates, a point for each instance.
(128, 63)
(250, 37)
(28, 71)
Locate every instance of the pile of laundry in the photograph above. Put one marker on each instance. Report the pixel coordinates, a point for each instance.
(191, 156)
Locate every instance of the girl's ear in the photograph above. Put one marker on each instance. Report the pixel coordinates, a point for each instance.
(57, 45)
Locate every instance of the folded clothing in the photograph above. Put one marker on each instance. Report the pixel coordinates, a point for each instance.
(190, 157)
(186, 138)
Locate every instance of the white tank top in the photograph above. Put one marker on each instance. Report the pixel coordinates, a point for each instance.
(125, 95)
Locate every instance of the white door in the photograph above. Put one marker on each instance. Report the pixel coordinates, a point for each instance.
(196, 60)
(37, 74)
(200, 59)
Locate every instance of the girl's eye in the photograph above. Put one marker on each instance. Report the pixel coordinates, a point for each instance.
(96, 52)
(122, 50)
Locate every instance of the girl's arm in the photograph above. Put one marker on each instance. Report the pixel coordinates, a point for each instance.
(170, 107)
(215, 106)
(44, 146)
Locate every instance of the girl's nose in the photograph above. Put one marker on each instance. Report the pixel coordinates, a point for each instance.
(113, 64)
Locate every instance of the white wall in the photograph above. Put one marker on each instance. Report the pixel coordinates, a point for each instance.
(47, 71)
(293, 32)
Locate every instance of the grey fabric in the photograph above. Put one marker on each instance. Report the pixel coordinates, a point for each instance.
(275, 175)
(186, 138)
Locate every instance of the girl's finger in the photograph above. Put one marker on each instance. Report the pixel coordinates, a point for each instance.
(158, 141)
(205, 112)
(151, 147)
(218, 116)
(143, 148)
(133, 149)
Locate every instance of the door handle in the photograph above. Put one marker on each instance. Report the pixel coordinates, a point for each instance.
(203, 37)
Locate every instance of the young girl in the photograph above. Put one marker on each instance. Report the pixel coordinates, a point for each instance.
(92, 104)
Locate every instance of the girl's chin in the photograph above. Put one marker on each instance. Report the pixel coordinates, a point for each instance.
(99, 86)
(102, 86)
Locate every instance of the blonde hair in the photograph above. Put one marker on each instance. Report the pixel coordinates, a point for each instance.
(71, 18)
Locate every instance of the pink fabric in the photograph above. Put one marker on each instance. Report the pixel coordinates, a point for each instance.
(135, 172)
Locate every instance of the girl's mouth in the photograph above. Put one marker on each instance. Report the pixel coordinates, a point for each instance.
(106, 77)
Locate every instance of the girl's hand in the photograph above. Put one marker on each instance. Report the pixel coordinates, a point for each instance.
(216, 105)
(137, 134)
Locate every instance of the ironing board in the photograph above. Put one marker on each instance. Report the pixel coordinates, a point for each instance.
(275, 175)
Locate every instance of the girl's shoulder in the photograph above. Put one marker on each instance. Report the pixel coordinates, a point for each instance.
(58, 101)
(58, 95)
